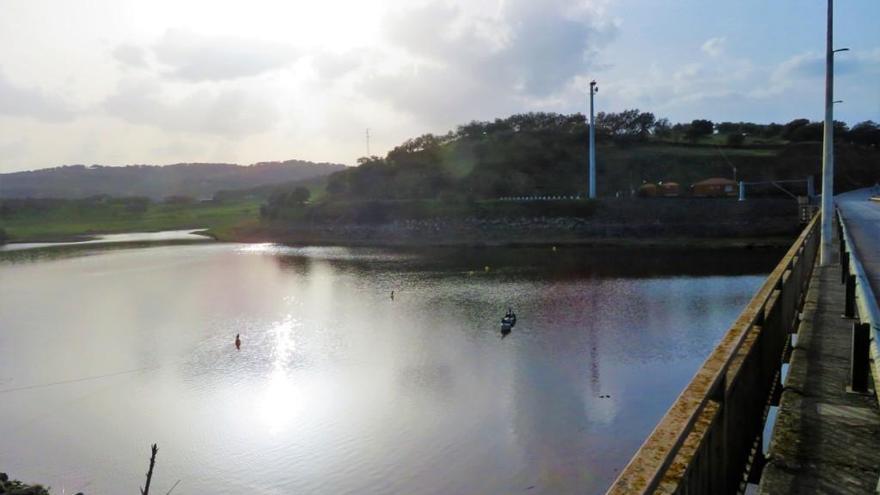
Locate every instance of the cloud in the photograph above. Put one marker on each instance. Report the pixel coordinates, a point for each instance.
(331, 66)
(681, 91)
(714, 46)
(810, 65)
(458, 61)
(130, 55)
(808, 68)
(177, 148)
(230, 112)
(32, 102)
(13, 150)
(194, 57)
(439, 96)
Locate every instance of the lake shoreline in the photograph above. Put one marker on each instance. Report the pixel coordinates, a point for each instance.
(68, 249)
(613, 223)
(647, 222)
(535, 232)
(253, 235)
(773, 242)
(93, 236)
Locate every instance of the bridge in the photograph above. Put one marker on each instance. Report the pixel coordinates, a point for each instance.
(785, 403)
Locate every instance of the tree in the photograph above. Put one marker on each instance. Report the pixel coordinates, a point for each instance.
(662, 128)
(299, 196)
(729, 127)
(282, 200)
(626, 126)
(3, 236)
(337, 182)
(772, 130)
(644, 122)
(865, 133)
(472, 130)
(811, 131)
(789, 129)
(736, 139)
(699, 128)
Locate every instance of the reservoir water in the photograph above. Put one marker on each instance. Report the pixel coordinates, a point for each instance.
(338, 388)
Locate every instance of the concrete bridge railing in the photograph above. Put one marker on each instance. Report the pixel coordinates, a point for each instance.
(861, 306)
(710, 440)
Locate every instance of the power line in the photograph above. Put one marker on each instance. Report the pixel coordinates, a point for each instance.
(74, 380)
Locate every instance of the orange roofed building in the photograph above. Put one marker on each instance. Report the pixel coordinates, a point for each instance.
(716, 187)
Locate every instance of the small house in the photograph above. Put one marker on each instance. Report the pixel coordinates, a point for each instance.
(716, 187)
(669, 189)
(648, 190)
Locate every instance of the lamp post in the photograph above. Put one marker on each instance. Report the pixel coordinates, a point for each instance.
(593, 90)
(827, 207)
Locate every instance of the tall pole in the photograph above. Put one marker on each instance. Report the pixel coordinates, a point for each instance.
(593, 90)
(828, 145)
(368, 142)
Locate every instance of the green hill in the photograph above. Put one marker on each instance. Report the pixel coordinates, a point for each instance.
(545, 154)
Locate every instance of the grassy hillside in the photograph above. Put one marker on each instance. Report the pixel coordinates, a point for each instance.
(317, 187)
(47, 220)
(546, 155)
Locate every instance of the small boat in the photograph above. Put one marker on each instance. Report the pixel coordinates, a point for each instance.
(508, 322)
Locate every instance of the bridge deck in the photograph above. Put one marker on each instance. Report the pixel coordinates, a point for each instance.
(825, 440)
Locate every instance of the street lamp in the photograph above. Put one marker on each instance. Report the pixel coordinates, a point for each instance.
(827, 206)
(593, 90)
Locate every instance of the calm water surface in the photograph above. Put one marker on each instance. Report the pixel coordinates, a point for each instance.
(337, 388)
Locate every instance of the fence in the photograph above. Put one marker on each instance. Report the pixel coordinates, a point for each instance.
(541, 198)
(710, 440)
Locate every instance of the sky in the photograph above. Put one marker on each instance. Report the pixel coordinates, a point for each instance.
(118, 82)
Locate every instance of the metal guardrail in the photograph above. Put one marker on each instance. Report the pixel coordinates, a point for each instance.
(710, 440)
(557, 197)
(860, 297)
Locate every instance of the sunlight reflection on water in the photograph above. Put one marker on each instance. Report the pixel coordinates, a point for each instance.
(337, 388)
(282, 399)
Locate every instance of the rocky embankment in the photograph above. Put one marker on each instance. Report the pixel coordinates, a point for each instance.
(702, 222)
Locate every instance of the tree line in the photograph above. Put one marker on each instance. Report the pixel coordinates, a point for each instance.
(534, 152)
(633, 126)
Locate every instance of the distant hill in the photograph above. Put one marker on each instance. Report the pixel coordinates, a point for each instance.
(197, 180)
(315, 185)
